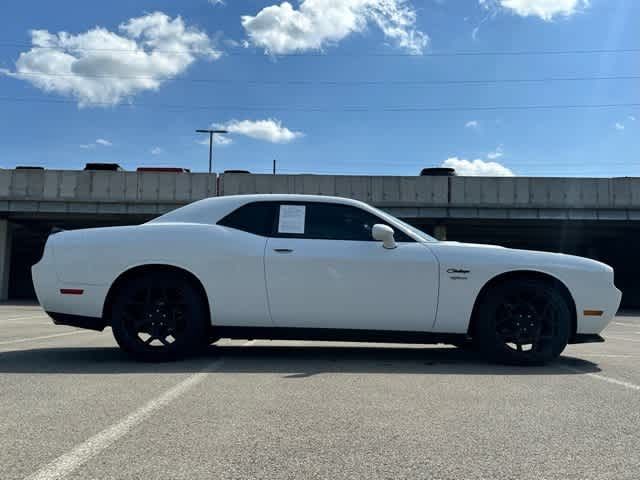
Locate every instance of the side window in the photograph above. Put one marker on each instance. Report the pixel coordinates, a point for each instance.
(338, 222)
(256, 218)
(331, 221)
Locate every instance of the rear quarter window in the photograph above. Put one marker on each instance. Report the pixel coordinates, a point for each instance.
(256, 218)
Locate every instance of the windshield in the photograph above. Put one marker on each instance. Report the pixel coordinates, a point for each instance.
(419, 233)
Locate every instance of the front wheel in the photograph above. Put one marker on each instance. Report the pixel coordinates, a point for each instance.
(523, 322)
(159, 316)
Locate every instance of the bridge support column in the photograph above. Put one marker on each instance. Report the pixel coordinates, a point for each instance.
(5, 258)
(440, 232)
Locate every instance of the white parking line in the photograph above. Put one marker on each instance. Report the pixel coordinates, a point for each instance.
(608, 355)
(27, 321)
(31, 317)
(615, 381)
(635, 340)
(627, 324)
(44, 337)
(82, 453)
(67, 463)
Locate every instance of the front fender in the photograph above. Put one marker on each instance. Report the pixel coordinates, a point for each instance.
(589, 283)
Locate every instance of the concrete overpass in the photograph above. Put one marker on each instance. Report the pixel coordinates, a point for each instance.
(595, 217)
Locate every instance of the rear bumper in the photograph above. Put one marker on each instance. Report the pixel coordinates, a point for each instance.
(53, 298)
(79, 321)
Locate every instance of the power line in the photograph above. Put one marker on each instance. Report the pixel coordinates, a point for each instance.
(508, 161)
(511, 162)
(345, 109)
(517, 167)
(342, 54)
(513, 165)
(341, 82)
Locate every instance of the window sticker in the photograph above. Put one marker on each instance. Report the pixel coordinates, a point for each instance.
(291, 219)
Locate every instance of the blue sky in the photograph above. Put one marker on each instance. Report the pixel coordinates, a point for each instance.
(322, 86)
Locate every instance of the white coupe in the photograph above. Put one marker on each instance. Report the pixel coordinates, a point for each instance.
(316, 268)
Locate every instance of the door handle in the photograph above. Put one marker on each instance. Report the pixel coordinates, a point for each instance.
(283, 250)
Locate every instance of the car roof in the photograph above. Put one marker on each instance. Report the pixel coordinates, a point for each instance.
(211, 210)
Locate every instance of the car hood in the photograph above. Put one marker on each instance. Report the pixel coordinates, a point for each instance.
(481, 253)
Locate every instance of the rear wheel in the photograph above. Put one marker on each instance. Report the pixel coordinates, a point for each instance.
(523, 322)
(466, 344)
(159, 316)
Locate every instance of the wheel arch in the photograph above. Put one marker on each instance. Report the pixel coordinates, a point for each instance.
(142, 269)
(529, 275)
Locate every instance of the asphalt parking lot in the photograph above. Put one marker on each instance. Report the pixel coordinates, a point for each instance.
(73, 406)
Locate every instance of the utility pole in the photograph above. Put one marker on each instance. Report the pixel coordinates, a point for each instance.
(211, 133)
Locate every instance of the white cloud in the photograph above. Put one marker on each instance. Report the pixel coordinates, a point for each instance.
(156, 151)
(632, 118)
(103, 68)
(497, 153)
(472, 124)
(545, 9)
(221, 140)
(477, 168)
(217, 2)
(270, 130)
(281, 29)
(99, 142)
(619, 126)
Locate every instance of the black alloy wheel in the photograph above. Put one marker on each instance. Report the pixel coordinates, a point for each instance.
(159, 317)
(524, 322)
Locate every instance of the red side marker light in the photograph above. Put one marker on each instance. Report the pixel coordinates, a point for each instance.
(71, 291)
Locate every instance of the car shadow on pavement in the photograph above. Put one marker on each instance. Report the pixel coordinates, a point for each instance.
(296, 361)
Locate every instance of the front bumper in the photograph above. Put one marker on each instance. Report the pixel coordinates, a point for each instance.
(603, 298)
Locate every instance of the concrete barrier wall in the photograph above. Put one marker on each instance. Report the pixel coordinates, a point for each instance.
(439, 197)
(379, 190)
(543, 192)
(117, 187)
(470, 192)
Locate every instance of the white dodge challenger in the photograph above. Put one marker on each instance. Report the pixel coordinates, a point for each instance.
(316, 268)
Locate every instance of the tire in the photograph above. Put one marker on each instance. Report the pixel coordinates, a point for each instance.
(523, 322)
(160, 317)
(466, 344)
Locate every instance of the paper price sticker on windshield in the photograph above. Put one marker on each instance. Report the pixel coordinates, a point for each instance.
(291, 219)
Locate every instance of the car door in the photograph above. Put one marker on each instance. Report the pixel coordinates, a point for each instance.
(235, 269)
(324, 270)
